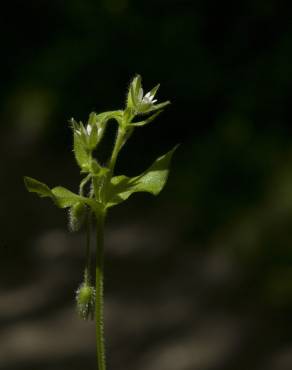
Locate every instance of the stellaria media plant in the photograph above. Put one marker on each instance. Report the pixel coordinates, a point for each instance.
(100, 190)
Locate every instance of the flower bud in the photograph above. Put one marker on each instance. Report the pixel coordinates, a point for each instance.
(85, 298)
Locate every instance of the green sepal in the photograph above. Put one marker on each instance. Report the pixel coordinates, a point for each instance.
(136, 101)
(92, 139)
(159, 106)
(84, 141)
(147, 120)
(154, 90)
(151, 181)
(35, 186)
(133, 93)
(82, 155)
(92, 119)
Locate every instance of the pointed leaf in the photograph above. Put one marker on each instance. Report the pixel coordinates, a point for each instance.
(35, 186)
(65, 198)
(151, 181)
(61, 196)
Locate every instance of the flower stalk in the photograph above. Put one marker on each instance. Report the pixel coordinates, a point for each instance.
(99, 304)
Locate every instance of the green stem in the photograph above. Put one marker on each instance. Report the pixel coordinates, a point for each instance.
(87, 273)
(118, 145)
(83, 183)
(99, 317)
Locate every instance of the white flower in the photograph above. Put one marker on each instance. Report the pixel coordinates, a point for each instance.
(86, 131)
(148, 99)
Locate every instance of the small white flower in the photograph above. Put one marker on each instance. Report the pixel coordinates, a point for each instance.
(149, 99)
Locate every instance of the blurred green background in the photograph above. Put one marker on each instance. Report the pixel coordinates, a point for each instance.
(199, 278)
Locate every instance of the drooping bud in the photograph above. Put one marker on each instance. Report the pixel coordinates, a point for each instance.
(85, 298)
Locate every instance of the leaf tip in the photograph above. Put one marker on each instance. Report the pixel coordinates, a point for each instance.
(27, 182)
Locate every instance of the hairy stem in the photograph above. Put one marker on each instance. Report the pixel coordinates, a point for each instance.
(118, 145)
(83, 183)
(87, 274)
(99, 317)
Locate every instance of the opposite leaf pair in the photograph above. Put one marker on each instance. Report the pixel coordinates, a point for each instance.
(119, 188)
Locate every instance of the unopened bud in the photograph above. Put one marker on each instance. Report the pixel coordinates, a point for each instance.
(85, 298)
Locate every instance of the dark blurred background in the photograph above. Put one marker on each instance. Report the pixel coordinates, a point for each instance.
(198, 278)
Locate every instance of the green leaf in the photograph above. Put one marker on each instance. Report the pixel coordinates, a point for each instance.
(35, 186)
(65, 198)
(61, 196)
(151, 181)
